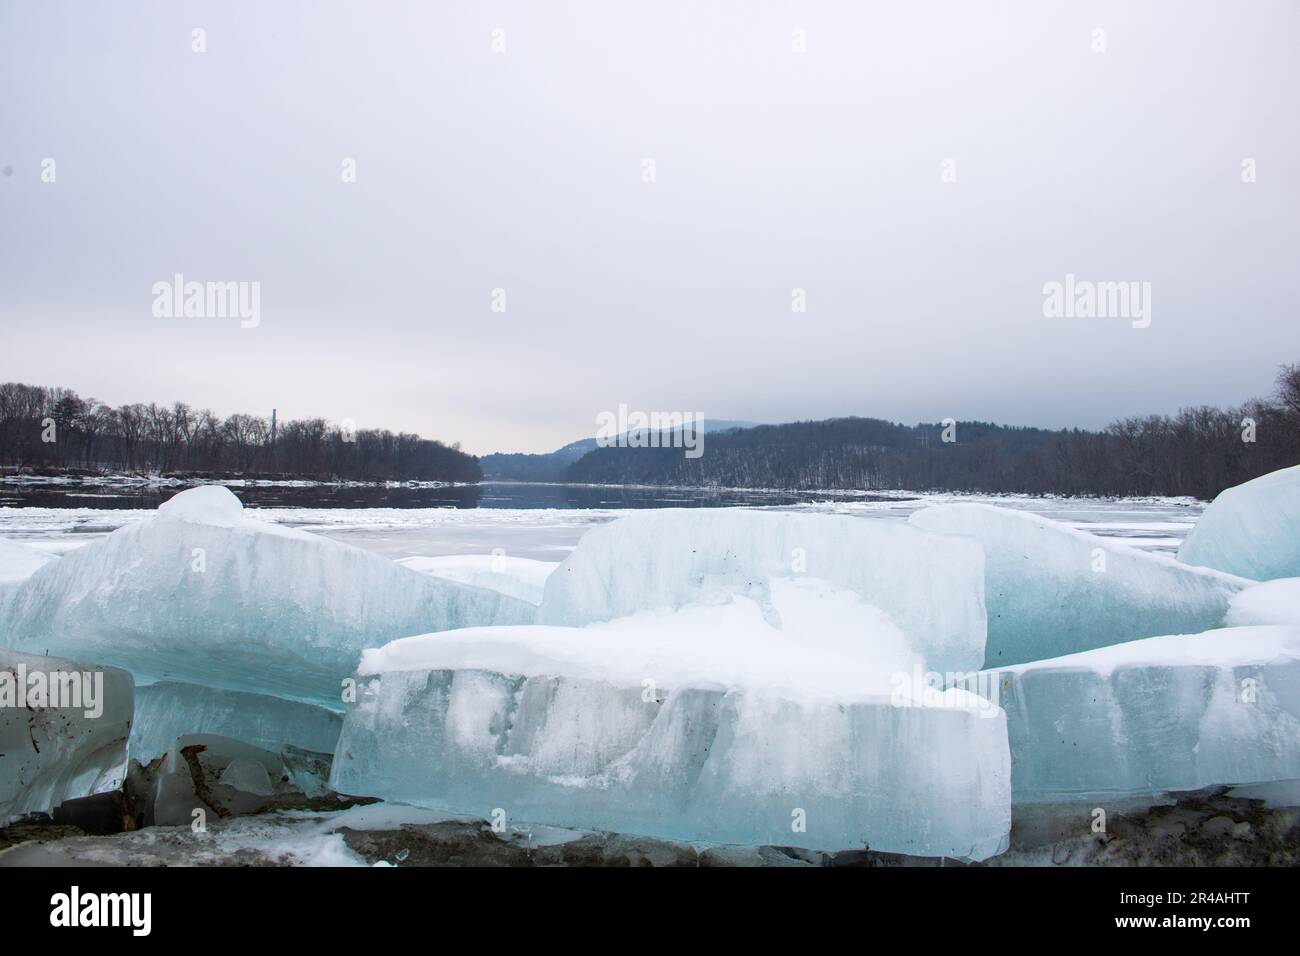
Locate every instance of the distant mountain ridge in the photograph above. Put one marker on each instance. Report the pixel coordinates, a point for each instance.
(555, 465)
(1197, 452)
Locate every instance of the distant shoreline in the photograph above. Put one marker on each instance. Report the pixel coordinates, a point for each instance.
(184, 481)
(862, 494)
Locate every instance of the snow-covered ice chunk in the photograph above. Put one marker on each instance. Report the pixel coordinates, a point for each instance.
(707, 724)
(63, 730)
(170, 709)
(1177, 712)
(809, 640)
(212, 505)
(931, 586)
(205, 593)
(522, 578)
(1273, 602)
(1052, 590)
(1252, 529)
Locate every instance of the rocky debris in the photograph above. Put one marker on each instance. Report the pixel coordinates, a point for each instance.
(475, 843)
(35, 828)
(1204, 828)
(205, 776)
(248, 841)
(221, 777)
(99, 813)
(1201, 828)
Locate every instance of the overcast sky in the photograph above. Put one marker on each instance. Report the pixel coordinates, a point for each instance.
(775, 170)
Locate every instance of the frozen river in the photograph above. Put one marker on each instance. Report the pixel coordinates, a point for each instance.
(542, 521)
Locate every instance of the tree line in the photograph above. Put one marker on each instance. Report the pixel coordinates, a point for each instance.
(1197, 452)
(55, 429)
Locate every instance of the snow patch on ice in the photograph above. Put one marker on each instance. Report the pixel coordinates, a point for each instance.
(823, 642)
(1219, 647)
(523, 578)
(210, 504)
(1273, 602)
(930, 586)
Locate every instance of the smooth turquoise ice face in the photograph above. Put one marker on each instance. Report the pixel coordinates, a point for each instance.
(203, 593)
(1179, 712)
(706, 764)
(169, 709)
(1252, 530)
(1051, 590)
